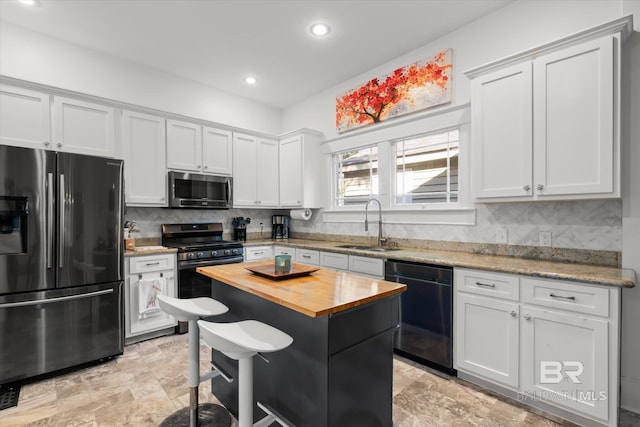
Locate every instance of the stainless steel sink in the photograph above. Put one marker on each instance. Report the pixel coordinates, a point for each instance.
(368, 248)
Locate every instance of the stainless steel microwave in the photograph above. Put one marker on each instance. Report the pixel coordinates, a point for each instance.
(192, 190)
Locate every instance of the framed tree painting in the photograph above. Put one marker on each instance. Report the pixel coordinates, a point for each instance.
(411, 88)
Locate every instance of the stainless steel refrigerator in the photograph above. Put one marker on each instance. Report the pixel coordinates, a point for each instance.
(61, 261)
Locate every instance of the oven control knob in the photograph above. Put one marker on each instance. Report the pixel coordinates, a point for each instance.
(191, 255)
(235, 252)
(214, 253)
(227, 252)
(200, 254)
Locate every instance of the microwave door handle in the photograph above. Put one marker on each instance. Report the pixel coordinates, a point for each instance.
(49, 220)
(61, 229)
(228, 191)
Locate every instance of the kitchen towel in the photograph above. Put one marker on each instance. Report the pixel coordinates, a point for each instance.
(148, 289)
(303, 214)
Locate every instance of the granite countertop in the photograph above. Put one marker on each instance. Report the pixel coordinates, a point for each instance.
(149, 250)
(591, 274)
(319, 294)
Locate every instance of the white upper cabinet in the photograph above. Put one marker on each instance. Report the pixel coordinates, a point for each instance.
(548, 128)
(143, 146)
(184, 146)
(196, 148)
(301, 178)
(83, 127)
(255, 171)
(24, 118)
(574, 136)
(502, 132)
(217, 149)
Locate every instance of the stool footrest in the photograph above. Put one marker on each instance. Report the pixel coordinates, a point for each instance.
(219, 371)
(272, 415)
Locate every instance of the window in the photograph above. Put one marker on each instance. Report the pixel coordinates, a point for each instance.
(427, 169)
(356, 173)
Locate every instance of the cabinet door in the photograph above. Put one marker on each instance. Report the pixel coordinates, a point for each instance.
(291, 174)
(83, 127)
(487, 338)
(267, 173)
(141, 323)
(574, 120)
(217, 147)
(184, 146)
(334, 261)
(24, 118)
(565, 360)
(245, 174)
(144, 159)
(502, 133)
(284, 250)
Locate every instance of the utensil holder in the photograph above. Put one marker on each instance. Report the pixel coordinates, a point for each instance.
(240, 234)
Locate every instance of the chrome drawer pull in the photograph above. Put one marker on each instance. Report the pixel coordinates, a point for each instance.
(149, 264)
(306, 256)
(552, 295)
(486, 285)
(513, 313)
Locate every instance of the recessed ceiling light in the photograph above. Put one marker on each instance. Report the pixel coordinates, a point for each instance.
(29, 2)
(250, 80)
(320, 29)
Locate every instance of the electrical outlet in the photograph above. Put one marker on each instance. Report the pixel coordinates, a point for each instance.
(545, 238)
(501, 235)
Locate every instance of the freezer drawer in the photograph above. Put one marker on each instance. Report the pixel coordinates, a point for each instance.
(42, 332)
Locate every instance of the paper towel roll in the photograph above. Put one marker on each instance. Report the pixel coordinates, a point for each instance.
(303, 214)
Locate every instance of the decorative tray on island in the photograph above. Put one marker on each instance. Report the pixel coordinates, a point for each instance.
(268, 270)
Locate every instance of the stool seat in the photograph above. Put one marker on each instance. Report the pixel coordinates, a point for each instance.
(185, 310)
(243, 339)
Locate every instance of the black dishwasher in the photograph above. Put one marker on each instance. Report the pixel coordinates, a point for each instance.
(426, 313)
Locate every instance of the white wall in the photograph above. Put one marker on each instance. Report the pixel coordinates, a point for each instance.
(36, 58)
(630, 371)
(516, 27)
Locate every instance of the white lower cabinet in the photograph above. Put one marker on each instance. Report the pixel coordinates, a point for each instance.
(373, 267)
(284, 250)
(308, 256)
(488, 337)
(257, 253)
(334, 261)
(549, 343)
(141, 323)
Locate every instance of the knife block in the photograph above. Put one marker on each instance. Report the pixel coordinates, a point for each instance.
(240, 234)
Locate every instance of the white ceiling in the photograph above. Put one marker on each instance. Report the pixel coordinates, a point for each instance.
(219, 42)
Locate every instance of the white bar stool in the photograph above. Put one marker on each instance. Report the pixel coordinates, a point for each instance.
(241, 341)
(191, 310)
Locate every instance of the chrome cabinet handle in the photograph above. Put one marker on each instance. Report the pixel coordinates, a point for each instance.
(258, 253)
(526, 187)
(527, 317)
(486, 285)
(513, 313)
(149, 264)
(205, 167)
(59, 144)
(540, 187)
(306, 256)
(552, 295)
(46, 143)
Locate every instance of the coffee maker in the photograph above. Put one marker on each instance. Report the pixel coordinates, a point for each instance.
(280, 226)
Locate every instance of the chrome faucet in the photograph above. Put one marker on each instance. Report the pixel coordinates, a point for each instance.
(366, 220)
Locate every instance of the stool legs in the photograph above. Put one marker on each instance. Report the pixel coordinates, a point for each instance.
(194, 371)
(245, 392)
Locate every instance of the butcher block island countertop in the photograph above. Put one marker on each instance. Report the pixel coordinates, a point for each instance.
(321, 293)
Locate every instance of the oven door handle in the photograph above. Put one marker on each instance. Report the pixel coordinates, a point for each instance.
(189, 265)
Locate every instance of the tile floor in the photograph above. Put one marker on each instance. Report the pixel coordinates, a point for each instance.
(148, 382)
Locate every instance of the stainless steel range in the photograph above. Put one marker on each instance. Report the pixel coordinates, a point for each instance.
(199, 245)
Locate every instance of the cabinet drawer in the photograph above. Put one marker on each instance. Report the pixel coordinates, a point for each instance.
(147, 263)
(566, 296)
(284, 250)
(307, 256)
(368, 266)
(256, 253)
(335, 261)
(497, 285)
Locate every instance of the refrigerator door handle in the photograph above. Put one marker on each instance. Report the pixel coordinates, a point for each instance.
(61, 202)
(50, 220)
(54, 300)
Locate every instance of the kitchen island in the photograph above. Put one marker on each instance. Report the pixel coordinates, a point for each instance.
(339, 369)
